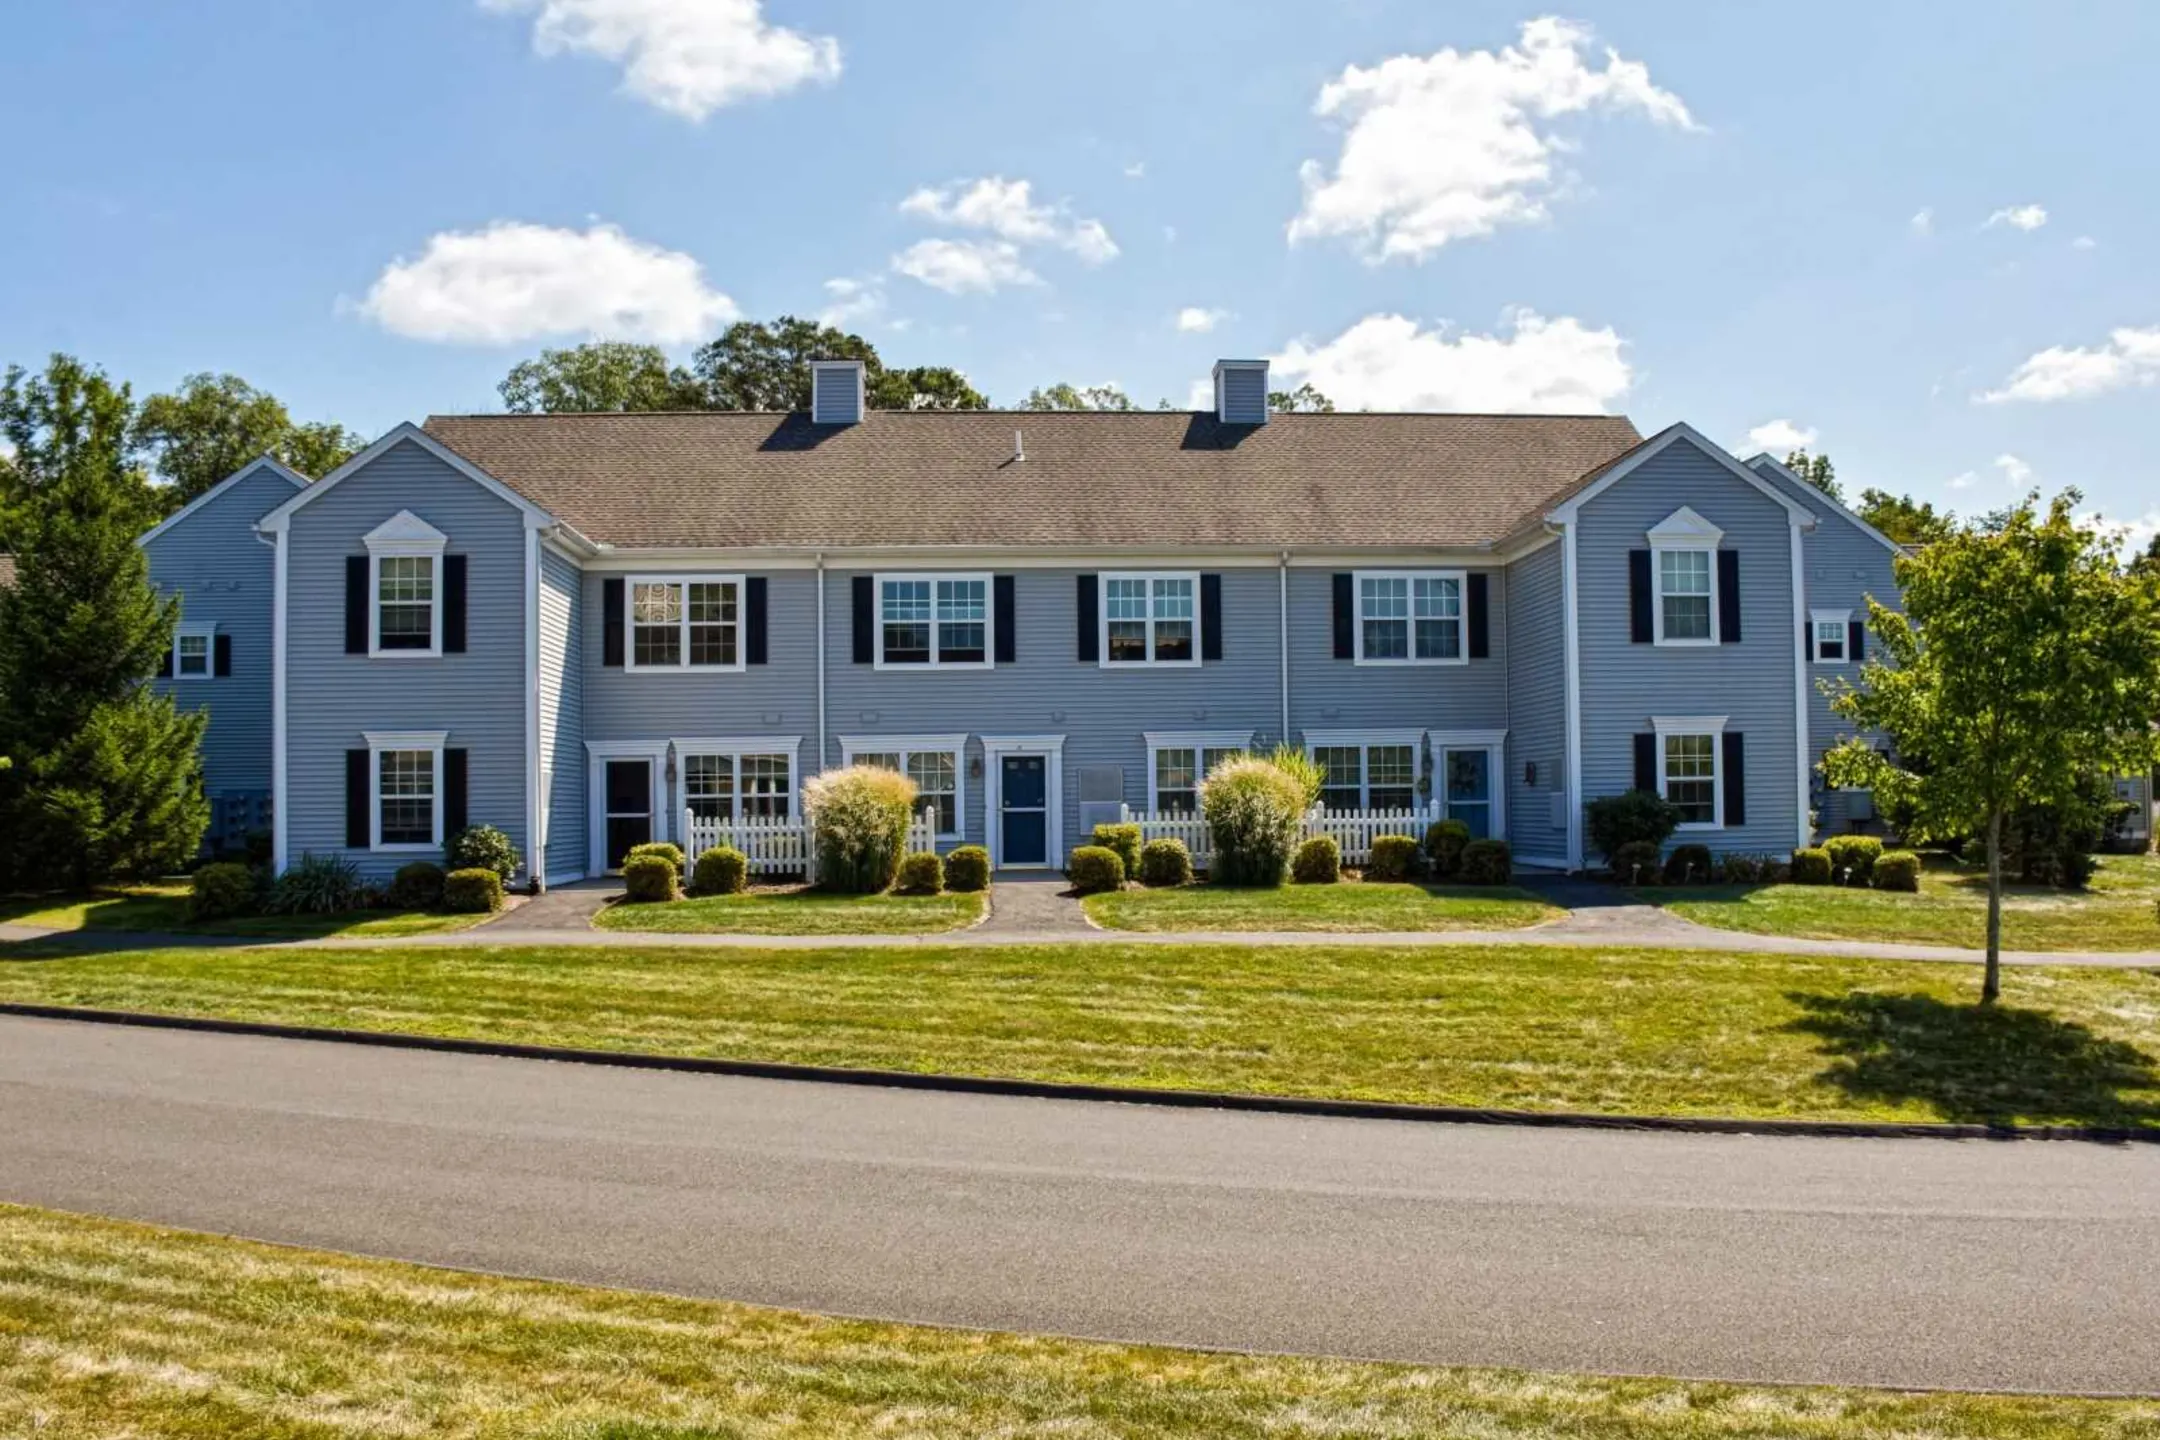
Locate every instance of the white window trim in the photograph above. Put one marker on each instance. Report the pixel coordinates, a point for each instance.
(1683, 530)
(683, 666)
(597, 754)
(735, 747)
(1102, 619)
(379, 741)
(907, 745)
(1494, 744)
(1198, 741)
(208, 635)
(1712, 726)
(1462, 615)
(1819, 618)
(1052, 749)
(1363, 740)
(405, 535)
(877, 592)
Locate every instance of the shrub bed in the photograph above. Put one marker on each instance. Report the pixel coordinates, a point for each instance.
(859, 818)
(1444, 842)
(483, 847)
(1897, 870)
(967, 869)
(1487, 862)
(1852, 858)
(1635, 815)
(1637, 862)
(1811, 866)
(472, 891)
(318, 885)
(1318, 862)
(1125, 839)
(647, 878)
(660, 849)
(1255, 811)
(418, 886)
(1689, 865)
(921, 873)
(221, 891)
(1394, 857)
(1093, 869)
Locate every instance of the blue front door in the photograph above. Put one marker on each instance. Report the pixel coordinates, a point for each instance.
(1023, 811)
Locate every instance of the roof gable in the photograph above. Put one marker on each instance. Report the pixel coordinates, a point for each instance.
(239, 477)
(406, 434)
(1777, 471)
(1680, 433)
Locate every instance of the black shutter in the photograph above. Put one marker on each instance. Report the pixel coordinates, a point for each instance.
(865, 619)
(164, 664)
(1480, 623)
(754, 620)
(1807, 639)
(454, 809)
(611, 621)
(1638, 591)
(1345, 617)
(1211, 617)
(357, 834)
(1856, 641)
(222, 665)
(1087, 603)
(1735, 778)
(453, 610)
(1646, 763)
(356, 604)
(1728, 600)
(1001, 595)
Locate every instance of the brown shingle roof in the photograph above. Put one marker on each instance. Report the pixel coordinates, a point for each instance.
(949, 478)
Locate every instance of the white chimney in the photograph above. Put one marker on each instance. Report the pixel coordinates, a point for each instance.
(836, 392)
(1241, 392)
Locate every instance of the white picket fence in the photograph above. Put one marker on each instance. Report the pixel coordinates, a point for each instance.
(778, 845)
(1354, 830)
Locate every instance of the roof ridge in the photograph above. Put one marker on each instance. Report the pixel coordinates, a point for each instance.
(935, 413)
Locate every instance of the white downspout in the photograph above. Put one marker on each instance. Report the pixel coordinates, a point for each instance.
(1800, 687)
(821, 752)
(280, 818)
(1282, 620)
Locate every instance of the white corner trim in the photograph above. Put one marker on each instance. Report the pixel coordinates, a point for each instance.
(537, 800)
(1804, 762)
(1572, 688)
(280, 812)
(1657, 445)
(284, 472)
(406, 431)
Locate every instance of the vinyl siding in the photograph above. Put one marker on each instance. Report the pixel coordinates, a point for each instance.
(1750, 682)
(332, 697)
(1537, 701)
(562, 711)
(226, 577)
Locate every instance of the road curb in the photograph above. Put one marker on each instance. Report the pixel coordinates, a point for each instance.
(1112, 1094)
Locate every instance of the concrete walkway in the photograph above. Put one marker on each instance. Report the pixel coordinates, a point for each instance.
(1033, 907)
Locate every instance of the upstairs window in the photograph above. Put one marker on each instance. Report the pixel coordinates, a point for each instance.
(405, 609)
(1409, 617)
(1830, 637)
(192, 648)
(683, 623)
(1684, 594)
(1149, 619)
(934, 620)
(404, 591)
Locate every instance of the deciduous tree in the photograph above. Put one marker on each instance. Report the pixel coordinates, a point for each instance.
(1306, 398)
(765, 365)
(1905, 520)
(1816, 470)
(608, 375)
(212, 425)
(1063, 396)
(2025, 662)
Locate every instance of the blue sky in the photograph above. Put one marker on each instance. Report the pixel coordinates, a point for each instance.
(1921, 233)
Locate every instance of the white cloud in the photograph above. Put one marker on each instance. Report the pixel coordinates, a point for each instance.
(1387, 362)
(2021, 217)
(1194, 320)
(1781, 437)
(1448, 146)
(689, 57)
(2084, 242)
(514, 281)
(1963, 480)
(965, 267)
(2137, 534)
(851, 302)
(2131, 356)
(1007, 210)
(1923, 221)
(2014, 470)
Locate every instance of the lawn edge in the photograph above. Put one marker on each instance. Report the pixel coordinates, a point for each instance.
(1074, 1090)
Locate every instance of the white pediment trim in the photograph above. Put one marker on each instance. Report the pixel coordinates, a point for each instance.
(405, 532)
(1685, 527)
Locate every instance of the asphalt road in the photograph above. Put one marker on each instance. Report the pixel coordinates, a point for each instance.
(2026, 1265)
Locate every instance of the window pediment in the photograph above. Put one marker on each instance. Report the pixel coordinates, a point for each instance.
(405, 533)
(1685, 528)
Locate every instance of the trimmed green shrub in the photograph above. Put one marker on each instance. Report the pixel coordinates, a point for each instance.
(1811, 866)
(220, 891)
(472, 891)
(1739, 869)
(721, 870)
(417, 886)
(1444, 841)
(1638, 862)
(2055, 844)
(483, 847)
(318, 885)
(859, 817)
(663, 849)
(1095, 868)
(1125, 839)
(1897, 870)
(967, 869)
(1394, 857)
(649, 877)
(1487, 862)
(921, 873)
(1318, 862)
(1255, 812)
(1615, 820)
(1165, 863)
(1688, 865)
(1852, 857)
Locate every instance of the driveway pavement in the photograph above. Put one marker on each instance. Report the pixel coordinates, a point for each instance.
(1913, 1263)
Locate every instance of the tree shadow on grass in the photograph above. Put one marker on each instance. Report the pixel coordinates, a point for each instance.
(1992, 1065)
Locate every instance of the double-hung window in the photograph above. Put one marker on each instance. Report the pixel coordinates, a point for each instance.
(720, 782)
(1370, 776)
(405, 587)
(1178, 762)
(933, 620)
(685, 623)
(1688, 774)
(192, 649)
(1150, 619)
(933, 762)
(406, 799)
(1830, 636)
(1684, 595)
(1409, 617)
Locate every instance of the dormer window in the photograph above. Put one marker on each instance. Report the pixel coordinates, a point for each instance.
(1683, 553)
(405, 558)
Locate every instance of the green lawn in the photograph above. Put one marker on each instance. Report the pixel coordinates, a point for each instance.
(2117, 913)
(163, 909)
(1352, 905)
(1525, 1027)
(116, 1329)
(799, 912)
